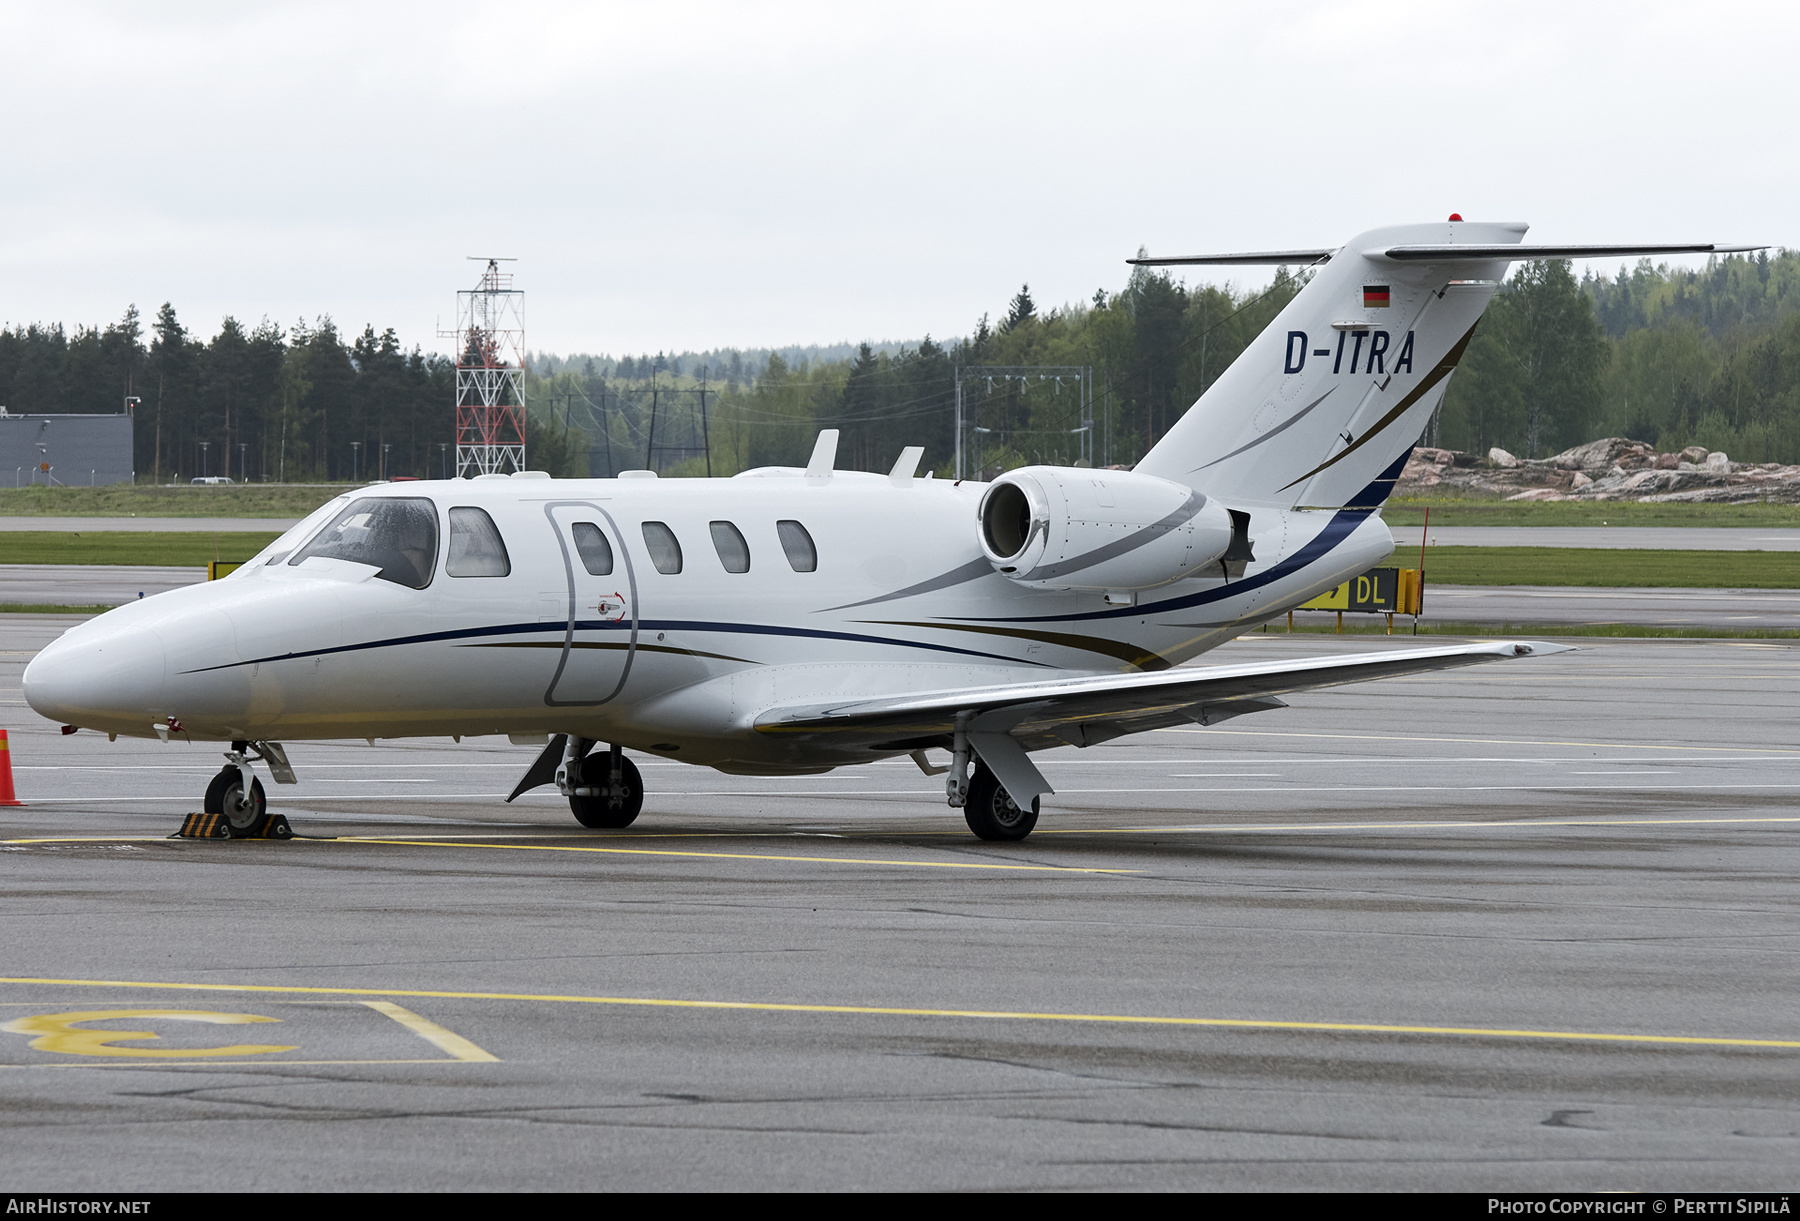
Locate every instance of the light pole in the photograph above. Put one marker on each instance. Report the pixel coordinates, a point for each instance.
(443, 459)
(204, 470)
(243, 466)
(385, 446)
(355, 456)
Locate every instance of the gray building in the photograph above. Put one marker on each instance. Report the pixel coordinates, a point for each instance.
(78, 449)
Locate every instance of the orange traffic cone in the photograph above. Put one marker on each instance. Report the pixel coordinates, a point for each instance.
(7, 798)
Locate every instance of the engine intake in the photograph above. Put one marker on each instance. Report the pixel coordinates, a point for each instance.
(1054, 527)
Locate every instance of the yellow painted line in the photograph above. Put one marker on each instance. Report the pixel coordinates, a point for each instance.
(231, 1065)
(65, 1033)
(94, 839)
(1397, 737)
(1150, 829)
(725, 856)
(444, 1040)
(1408, 826)
(1020, 1015)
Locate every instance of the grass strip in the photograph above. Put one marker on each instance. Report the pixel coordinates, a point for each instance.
(49, 608)
(175, 548)
(1604, 567)
(123, 500)
(1460, 511)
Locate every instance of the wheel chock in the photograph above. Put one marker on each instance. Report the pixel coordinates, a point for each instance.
(203, 826)
(217, 826)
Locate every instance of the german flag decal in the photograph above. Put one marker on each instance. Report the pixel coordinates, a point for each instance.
(1375, 296)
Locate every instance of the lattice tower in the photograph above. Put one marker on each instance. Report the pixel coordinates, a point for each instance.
(490, 369)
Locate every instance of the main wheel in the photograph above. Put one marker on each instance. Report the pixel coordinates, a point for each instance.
(991, 813)
(247, 814)
(608, 812)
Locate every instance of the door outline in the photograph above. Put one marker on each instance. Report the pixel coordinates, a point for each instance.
(558, 529)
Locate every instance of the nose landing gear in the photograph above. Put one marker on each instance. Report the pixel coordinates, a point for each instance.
(246, 809)
(238, 794)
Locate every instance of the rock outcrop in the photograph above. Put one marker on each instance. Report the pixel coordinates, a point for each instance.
(1615, 468)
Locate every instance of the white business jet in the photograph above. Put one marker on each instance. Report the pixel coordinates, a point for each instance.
(788, 621)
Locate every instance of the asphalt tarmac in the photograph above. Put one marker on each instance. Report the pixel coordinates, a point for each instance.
(1528, 926)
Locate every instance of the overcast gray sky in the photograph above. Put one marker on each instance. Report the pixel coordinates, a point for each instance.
(691, 175)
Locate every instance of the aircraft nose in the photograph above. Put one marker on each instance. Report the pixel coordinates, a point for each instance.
(91, 678)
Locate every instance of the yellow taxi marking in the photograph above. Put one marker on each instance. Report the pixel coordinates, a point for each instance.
(59, 1032)
(726, 856)
(448, 1041)
(1413, 826)
(1019, 1015)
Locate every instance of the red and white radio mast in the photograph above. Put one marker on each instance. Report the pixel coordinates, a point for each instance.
(490, 369)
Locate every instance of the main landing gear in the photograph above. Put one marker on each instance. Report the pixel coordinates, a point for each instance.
(604, 788)
(971, 785)
(991, 813)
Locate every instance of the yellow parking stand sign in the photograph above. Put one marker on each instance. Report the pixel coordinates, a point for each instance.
(1375, 591)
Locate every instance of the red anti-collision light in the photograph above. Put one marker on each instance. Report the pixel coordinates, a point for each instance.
(1456, 216)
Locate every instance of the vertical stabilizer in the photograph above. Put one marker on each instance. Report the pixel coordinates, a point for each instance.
(1323, 405)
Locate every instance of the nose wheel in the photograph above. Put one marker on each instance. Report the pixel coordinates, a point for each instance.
(247, 812)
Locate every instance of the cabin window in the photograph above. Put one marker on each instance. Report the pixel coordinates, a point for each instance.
(802, 556)
(476, 549)
(665, 551)
(396, 534)
(595, 551)
(733, 551)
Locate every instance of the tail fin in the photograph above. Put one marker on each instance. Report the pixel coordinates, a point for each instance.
(1323, 406)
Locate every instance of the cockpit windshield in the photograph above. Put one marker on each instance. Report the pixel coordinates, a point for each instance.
(395, 534)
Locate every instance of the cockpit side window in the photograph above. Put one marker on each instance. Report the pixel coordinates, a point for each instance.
(802, 556)
(396, 534)
(476, 548)
(283, 547)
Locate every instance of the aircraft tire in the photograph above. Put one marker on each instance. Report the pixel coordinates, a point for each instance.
(225, 795)
(991, 813)
(605, 813)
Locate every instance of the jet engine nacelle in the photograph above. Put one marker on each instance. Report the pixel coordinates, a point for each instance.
(1056, 527)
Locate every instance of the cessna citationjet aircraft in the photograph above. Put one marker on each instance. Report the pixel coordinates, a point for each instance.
(791, 621)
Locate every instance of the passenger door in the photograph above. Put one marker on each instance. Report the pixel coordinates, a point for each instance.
(600, 638)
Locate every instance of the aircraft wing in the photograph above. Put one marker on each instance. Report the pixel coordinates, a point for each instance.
(1084, 710)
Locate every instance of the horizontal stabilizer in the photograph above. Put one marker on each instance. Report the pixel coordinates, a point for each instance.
(1254, 258)
(1093, 708)
(1443, 253)
(1437, 254)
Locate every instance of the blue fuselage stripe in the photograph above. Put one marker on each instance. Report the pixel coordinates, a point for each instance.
(596, 625)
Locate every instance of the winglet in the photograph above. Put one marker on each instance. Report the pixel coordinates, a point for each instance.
(824, 455)
(906, 465)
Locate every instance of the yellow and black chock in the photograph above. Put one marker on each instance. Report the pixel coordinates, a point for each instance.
(218, 826)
